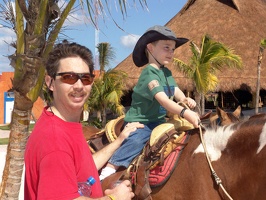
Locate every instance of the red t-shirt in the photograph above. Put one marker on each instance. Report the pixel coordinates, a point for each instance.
(57, 157)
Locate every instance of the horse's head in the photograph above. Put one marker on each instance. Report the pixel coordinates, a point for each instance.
(221, 117)
(227, 118)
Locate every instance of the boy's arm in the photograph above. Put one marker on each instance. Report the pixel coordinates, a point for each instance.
(175, 108)
(179, 95)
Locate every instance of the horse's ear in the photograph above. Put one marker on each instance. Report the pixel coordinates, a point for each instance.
(237, 112)
(218, 110)
(221, 113)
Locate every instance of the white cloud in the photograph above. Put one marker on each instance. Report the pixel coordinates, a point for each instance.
(6, 31)
(129, 41)
(5, 40)
(7, 36)
(75, 19)
(5, 65)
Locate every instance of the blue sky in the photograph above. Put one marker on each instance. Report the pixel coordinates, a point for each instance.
(78, 28)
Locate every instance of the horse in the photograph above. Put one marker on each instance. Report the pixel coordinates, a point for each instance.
(236, 152)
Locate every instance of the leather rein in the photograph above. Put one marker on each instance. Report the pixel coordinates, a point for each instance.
(214, 174)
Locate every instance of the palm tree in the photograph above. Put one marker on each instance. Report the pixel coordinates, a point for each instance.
(261, 50)
(37, 25)
(206, 60)
(107, 92)
(106, 55)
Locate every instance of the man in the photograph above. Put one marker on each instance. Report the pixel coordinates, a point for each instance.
(57, 155)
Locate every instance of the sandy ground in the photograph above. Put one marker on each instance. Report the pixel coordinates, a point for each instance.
(5, 134)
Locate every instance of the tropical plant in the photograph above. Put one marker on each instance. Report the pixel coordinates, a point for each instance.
(206, 60)
(107, 91)
(37, 25)
(261, 50)
(106, 55)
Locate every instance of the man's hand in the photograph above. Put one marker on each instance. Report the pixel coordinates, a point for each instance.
(123, 191)
(130, 127)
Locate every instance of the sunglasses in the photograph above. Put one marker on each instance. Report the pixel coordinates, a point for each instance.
(71, 77)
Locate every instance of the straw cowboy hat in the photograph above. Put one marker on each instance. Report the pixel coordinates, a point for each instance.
(151, 35)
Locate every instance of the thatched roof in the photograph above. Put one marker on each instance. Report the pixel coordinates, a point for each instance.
(239, 25)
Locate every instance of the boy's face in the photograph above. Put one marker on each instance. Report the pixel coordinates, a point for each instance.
(163, 50)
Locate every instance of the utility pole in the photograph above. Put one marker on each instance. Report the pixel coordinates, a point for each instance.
(96, 53)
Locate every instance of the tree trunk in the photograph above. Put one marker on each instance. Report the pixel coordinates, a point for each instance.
(198, 101)
(19, 134)
(99, 116)
(258, 80)
(104, 117)
(222, 99)
(202, 104)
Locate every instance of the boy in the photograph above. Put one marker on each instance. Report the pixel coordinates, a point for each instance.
(151, 98)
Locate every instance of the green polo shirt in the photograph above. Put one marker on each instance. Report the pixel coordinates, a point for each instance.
(144, 107)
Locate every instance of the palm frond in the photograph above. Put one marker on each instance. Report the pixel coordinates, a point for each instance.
(106, 54)
(183, 67)
(263, 43)
(205, 61)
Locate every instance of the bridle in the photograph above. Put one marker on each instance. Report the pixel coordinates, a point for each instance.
(214, 174)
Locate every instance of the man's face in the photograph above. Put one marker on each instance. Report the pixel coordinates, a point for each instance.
(71, 93)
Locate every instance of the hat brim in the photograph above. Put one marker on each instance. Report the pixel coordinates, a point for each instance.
(139, 55)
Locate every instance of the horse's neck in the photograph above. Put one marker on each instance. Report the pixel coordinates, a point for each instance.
(181, 181)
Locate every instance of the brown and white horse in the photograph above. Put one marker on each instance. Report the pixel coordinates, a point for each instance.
(238, 156)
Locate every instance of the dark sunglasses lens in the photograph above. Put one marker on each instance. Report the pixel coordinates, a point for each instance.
(69, 78)
(87, 79)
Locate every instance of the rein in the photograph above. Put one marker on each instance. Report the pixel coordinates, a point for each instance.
(216, 178)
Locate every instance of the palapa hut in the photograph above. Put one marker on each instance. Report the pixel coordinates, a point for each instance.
(239, 24)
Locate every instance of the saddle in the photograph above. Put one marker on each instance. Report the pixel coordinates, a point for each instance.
(102, 137)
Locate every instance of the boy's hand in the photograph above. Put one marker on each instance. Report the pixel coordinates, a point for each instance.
(192, 117)
(190, 102)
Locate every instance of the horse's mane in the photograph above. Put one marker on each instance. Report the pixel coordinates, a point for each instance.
(218, 138)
